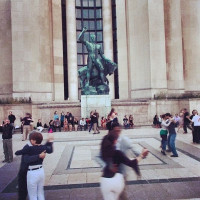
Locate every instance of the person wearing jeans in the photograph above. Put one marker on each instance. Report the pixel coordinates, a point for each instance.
(172, 137)
(163, 133)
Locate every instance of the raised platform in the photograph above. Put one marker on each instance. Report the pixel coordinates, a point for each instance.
(142, 111)
(100, 103)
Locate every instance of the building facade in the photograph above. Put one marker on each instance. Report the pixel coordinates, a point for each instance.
(156, 44)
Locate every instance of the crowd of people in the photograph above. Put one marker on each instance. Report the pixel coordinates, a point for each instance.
(67, 122)
(31, 172)
(170, 125)
(113, 151)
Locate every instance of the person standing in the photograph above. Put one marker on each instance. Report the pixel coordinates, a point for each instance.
(91, 123)
(131, 121)
(172, 136)
(94, 121)
(112, 181)
(12, 119)
(163, 133)
(35, 174)
(7, 141)
(26, 125)
(177, 119)
(196, 132)
(187, 121)
(181, 121)
(22, 174)
(125, 145)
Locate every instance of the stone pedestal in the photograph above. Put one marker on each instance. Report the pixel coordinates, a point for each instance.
(100, 103)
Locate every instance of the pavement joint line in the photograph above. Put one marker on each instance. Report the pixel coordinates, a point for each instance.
(91, 185)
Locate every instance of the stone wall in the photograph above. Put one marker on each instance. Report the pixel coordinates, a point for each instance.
(143, 112)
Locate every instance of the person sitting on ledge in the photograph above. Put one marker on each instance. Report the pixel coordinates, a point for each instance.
(39, 125)
(83, 124)
(57, 124)
(66, 127)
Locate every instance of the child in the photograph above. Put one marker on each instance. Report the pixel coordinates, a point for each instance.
(35, 175)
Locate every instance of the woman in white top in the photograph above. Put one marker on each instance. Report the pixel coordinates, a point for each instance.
(196, 132)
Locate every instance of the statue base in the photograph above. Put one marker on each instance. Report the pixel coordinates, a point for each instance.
(100, 103)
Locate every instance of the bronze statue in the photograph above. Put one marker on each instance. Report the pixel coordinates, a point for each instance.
(93, 76)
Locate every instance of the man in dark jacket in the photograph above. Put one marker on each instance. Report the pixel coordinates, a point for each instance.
(12, 119)
(7, 141)
(22, 174)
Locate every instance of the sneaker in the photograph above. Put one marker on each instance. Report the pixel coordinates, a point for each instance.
(163, 152)
(4, 161)
(174, 156)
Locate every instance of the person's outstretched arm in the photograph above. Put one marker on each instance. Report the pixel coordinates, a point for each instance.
(81, 36)
(49, 144)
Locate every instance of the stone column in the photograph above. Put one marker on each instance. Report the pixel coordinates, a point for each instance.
(191, 43)
(6, 83)
(157, 46)
(108, 39)
(122, 42)
(72, 50)
(139, 65)
(173, 38)
(57, 50)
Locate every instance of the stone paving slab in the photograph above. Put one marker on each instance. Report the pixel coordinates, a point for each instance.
(73, 170)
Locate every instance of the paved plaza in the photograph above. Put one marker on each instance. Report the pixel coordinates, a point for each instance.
(73, 170)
